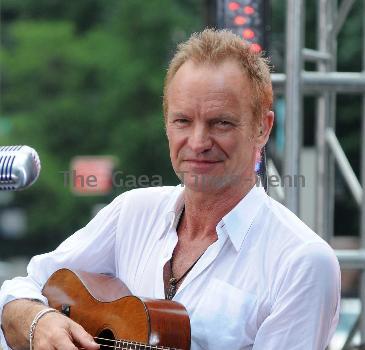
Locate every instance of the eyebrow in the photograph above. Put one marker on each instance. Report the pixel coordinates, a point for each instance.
(229, 116)
(179, 115)
(219, 116)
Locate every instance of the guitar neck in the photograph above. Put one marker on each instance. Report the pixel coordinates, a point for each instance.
(131, 345)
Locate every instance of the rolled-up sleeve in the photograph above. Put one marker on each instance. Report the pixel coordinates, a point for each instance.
(91, 248)
(305, 308)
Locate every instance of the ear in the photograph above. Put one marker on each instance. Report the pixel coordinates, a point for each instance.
(264, 129)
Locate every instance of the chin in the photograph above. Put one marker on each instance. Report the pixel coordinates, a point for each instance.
(208, 183)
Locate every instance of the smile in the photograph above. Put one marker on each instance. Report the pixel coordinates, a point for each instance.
(202, 165)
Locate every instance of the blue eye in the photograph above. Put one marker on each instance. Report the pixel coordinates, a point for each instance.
(224, 123)
(181, 121)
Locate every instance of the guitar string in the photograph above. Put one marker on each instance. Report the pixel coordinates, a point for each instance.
(121, 346)
(130, 343)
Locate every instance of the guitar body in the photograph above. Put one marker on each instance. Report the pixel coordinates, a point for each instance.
(104, 306)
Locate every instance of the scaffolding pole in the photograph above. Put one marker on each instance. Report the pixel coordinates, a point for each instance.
(314, 83)
(324, 84)
(293, 99)
(362, 211)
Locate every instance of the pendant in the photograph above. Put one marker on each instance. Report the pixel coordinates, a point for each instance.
(172, 288)
(172, 281)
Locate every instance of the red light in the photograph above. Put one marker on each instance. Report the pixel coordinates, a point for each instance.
(240, 20)
(233, 6)
(248, 10)
(248, 34)
(256, 48)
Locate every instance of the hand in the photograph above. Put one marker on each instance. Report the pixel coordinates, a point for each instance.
(56, 331)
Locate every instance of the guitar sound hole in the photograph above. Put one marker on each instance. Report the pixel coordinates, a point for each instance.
(107, 342)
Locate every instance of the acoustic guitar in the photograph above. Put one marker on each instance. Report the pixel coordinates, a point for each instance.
(116, 319)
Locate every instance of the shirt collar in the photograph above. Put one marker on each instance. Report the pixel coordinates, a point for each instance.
(174, 207)
(238, 221)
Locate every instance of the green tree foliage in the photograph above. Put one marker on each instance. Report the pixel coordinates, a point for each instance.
(85, 77)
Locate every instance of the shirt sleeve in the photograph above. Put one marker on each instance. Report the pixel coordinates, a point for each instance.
(91, 249)
(305, 308)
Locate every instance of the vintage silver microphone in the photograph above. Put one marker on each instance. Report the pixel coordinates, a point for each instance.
(19, 167)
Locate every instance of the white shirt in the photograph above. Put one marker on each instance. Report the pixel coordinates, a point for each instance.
(268, 282)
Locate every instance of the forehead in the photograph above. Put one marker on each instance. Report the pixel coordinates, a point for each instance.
(207, 86)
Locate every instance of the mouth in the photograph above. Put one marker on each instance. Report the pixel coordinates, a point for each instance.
(202, 161)
(201, 165)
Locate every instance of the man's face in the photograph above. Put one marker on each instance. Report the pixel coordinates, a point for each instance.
(210, 126)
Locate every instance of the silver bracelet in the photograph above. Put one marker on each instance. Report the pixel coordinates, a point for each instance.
(37, 317)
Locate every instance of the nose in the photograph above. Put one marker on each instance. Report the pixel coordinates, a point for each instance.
(200, 139)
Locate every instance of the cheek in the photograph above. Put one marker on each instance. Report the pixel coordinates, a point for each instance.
(240, 149)
(176, 142)
(234, 143)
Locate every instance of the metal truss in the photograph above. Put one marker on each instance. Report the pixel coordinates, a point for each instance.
(324, 84)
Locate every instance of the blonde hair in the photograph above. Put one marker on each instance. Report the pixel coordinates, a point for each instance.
(215, 46)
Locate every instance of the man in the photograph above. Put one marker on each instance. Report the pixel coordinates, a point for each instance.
(249, 272)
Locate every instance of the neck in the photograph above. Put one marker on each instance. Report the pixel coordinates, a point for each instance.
(204, 210)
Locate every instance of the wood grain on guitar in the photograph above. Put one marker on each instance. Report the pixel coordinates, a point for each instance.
(105, 307)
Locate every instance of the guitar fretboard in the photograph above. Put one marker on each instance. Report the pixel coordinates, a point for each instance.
(130, 345)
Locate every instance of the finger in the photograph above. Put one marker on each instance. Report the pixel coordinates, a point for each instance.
(52, 333)
(60, 339)
(83, 338)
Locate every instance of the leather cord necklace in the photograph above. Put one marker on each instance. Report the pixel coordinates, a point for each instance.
(173, 281)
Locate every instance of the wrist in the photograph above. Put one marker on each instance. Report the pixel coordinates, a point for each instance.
(34, 323)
